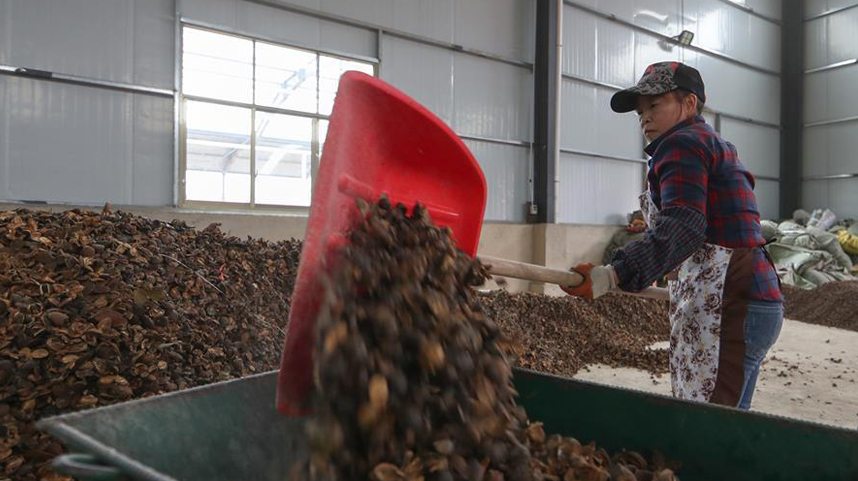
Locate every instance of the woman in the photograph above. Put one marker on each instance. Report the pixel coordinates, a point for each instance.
(726, 307)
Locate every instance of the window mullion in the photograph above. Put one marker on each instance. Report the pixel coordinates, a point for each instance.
(253, 157)
(314, 157)
(253, 133)
(318, 81)
(183, 151)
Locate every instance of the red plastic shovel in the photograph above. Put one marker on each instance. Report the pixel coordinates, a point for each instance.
(380, 141)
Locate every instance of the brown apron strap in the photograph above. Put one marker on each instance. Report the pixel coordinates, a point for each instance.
(734, 308)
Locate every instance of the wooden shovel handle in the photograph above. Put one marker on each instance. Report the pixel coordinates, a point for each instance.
(531, 272)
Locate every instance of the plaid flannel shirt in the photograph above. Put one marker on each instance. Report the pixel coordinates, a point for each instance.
(704, 194)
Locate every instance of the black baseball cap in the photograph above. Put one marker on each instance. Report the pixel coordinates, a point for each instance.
(660, 78)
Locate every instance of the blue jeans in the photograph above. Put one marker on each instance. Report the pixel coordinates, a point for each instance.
(762, 328)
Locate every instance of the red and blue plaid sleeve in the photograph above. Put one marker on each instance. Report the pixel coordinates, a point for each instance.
(682, 170)
(680, 228)
(678, 232)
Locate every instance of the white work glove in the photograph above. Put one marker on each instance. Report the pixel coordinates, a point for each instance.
(598, 281)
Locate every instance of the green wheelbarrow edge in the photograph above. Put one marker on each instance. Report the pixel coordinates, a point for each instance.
(102, 458)
(104, 464)
(668, 399)
(107, 457)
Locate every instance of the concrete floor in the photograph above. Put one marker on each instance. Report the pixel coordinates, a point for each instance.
(811, 373)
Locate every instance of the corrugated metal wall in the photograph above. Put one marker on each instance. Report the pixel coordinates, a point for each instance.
(601, 53)
(470, 63)
(70, 143)
(79, 144)
(831, 107)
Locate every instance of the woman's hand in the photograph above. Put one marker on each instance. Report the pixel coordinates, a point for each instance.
(598, 280)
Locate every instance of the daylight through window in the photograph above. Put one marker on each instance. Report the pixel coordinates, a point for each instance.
(255, 117)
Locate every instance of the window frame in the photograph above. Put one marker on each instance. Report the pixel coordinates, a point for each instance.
(182, 100)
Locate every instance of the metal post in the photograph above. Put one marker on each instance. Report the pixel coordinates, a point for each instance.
(546, 95)
(792, 100)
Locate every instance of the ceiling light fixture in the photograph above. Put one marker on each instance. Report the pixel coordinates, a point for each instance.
(685, 37)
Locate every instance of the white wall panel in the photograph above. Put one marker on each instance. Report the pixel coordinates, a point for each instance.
(843, 149)
(216, 12)
(504, 27)
(816, 43)
(623, 9)
(663, 16)
(764, 45)
(758, 146)
(429, 81)
(769, 8)
(589, 124)
(768, 198)
(507, 172)
(830, 95)
(733, 32)
(814, 195)
(831, 149)
(5, 118)
(154, 43)
(86, 159)
(152, 151)
(837, 195)
(832, 39)
(491, 99)
(584, 182)
(77, 144)
(758, 97)
(814, 157)
(312, 4)
(127, 41)
(816, 7)
(842, 101)
(711, 25)
(842, 35)
(615, 53)
(509, 33)
(816, 97)
(433, 19)
(649, 50)
(606, 51)
(843, 197)
(281, 26)
(379, 12)
(337, 37)
(579, 43)
(578, 116)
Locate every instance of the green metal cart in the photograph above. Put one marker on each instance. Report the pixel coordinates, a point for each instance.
(231, 431)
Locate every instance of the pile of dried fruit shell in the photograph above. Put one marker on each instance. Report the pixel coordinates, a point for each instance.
(558, 458)
(101, 308)
(413, 380)
(560, 335)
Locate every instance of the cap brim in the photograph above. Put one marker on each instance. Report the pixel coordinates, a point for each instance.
(625, 100)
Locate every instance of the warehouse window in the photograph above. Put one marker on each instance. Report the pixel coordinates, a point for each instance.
(254, 118)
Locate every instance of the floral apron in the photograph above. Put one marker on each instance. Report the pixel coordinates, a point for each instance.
(708, 304)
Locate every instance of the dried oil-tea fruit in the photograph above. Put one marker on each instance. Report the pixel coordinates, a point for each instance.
(99, 308)
(402, 324)
(418, 377)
